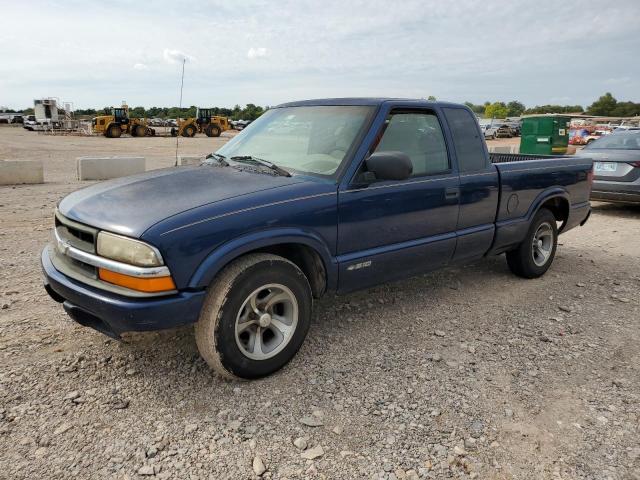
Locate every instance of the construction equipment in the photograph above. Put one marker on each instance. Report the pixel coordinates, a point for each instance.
(114, 125)
(205, 122)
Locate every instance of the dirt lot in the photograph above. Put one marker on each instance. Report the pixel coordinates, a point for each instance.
(467, 372)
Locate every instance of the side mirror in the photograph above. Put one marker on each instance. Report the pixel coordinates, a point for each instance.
(390, 165)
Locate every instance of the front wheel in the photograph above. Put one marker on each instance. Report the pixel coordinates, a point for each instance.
(189, 131)
(535, 254)
(255, 317)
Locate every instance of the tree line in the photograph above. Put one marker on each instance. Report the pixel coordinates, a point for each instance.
(249, 112)
(605, 106)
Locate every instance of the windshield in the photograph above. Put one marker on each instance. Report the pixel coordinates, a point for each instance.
(312, 140)
(616, 142)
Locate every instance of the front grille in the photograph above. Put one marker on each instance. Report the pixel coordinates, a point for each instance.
(81, 237)
(75, 234)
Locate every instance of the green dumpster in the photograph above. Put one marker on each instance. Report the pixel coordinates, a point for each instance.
(545, 134)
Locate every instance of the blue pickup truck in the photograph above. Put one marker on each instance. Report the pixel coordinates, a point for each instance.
(315, 196)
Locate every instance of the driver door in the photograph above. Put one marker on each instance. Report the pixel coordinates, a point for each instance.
(390, 229)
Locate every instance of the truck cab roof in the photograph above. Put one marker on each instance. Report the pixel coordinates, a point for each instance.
(366, 101)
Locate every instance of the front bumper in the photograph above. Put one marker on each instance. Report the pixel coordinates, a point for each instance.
(113, 314)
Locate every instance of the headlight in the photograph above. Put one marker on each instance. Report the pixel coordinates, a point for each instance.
(127, 250)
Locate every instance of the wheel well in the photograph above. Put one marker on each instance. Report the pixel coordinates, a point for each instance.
(307, 260)
(559, 206)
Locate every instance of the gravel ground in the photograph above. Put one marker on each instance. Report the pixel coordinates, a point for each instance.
(466, 372)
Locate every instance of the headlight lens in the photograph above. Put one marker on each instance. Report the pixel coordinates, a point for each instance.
(127, 250)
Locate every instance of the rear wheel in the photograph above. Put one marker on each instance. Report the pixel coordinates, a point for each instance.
(255, 317)
(535, 254)
(213, 131)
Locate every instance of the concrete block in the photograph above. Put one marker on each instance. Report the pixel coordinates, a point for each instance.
(190, 159)
(502, 149)
(103, 168)
(18, 172)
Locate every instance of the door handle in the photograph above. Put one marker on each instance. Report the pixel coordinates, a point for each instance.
(451, 193)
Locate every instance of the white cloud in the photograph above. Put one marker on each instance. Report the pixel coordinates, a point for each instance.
(617, 81)
(176, 56)
(257, 52)
(140, 66)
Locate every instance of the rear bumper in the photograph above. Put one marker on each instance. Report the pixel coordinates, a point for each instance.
(114, 314)
(605, 196)
(608, 191)
(615, 191)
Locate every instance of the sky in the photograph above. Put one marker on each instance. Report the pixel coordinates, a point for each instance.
(97, 54)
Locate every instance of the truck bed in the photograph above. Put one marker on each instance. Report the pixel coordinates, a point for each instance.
(517, 157)
(527, 179)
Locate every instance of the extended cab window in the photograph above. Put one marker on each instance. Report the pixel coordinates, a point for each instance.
(466, 139)
(418, 134)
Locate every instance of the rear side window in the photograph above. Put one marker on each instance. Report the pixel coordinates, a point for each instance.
(466, 139)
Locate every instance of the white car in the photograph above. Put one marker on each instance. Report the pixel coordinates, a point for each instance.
(489, 131)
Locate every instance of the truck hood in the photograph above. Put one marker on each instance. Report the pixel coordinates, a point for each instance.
(130, 205)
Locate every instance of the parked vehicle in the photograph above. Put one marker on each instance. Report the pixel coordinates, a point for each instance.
(489, 131)
(119, 122)
(616, 167)
(156, 122)
(30, 123)
(515, 127)
(504, 131)
(241, 124)
(626, 128)
(204, 122)
(373, 190)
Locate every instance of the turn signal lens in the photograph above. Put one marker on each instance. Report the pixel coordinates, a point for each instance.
(147, 285)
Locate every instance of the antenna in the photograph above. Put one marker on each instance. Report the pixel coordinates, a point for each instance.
(184, 60)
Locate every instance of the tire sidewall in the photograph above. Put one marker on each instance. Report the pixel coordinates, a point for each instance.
(249, 280)
(543, 216)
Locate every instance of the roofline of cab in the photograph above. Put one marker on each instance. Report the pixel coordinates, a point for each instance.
(365, 101)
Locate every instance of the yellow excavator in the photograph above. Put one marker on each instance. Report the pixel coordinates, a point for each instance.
(114, 125)
(204, 122)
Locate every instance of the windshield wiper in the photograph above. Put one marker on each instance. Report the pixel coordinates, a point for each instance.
(222, 160)
(259, 161)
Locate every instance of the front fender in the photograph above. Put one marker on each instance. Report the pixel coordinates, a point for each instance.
(233, 249)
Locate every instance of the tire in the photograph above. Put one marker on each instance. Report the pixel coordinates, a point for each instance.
(213, 131)
(189, 131)
(114, 131)
(532, 260)
(139, 131)
(228, 300)
(174, 132)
